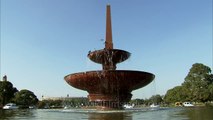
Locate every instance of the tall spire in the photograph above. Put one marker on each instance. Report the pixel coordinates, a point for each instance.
(108, 42)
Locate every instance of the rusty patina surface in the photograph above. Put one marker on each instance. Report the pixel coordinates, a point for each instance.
(109, 81)
(112, 86)
(109, 57)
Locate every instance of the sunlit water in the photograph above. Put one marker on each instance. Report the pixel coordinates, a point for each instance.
(197, 113)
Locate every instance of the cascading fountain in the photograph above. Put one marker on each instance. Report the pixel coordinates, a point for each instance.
(109, 88)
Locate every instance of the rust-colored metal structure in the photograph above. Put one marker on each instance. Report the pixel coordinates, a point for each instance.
(109, 88)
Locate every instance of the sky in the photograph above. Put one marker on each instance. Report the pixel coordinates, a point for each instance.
(44, 40)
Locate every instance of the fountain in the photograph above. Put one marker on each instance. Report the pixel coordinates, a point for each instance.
(109, 88)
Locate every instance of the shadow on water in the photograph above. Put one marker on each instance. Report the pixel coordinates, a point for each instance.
(4, 115)
(16, 114)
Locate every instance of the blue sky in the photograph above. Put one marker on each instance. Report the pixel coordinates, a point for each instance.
(44, 40)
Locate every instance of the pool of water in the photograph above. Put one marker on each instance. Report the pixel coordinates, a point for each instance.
(197, 113)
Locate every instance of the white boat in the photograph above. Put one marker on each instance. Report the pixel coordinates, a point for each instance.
(128, 106)
(10, 106)
(32, 107)
(154, 106)
(67, 107)
(188, 104)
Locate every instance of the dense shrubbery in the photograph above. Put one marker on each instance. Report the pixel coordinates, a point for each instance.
(156, 99)
(70, 102)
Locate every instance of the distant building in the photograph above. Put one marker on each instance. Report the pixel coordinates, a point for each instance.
(63, 98)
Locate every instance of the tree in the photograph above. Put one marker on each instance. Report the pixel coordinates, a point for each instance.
(210, 88)
(41, 104)
(26, 98)
(176, 94)
(137, 101)
(197, 83)
(7, 91)
(157, 99)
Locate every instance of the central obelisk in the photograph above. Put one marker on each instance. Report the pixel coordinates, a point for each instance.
(108, 42)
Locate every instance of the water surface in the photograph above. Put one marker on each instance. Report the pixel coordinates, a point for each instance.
(197, 113)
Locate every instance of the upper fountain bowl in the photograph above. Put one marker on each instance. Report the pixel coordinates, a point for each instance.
(108, 55)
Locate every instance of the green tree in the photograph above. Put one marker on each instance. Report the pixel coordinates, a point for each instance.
(157, 99)
(55, 103)
(176, 94)
(137, 101)
(26, 98)
(41, 104)
(197, 81)
(210, 88)
(7, 91)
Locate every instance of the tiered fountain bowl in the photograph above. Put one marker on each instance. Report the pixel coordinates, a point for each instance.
(110, 88)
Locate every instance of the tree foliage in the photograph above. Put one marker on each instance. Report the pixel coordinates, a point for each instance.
(210, 88)
(137, 101)
(157, 99)
(175, 94)
(26, 98)
(197, 82)
(197, 86)
(7, 91)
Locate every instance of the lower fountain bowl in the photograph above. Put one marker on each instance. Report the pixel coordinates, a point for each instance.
(109, 85)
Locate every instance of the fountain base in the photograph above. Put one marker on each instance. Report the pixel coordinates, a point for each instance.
(109, 89)
(110, 102)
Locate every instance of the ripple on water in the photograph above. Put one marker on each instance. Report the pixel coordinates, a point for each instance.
(91, 114)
